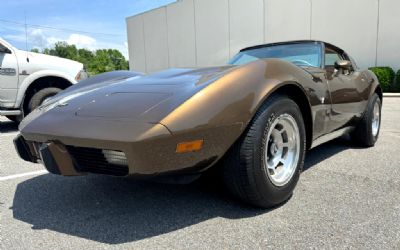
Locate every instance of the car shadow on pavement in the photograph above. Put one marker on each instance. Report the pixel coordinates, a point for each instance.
(327, 150)
(8, 126)
(119, 210)
(114, 210)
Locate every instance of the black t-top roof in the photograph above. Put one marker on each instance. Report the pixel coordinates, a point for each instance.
(290, 42)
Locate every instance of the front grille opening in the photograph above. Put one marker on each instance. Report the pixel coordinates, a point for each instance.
(98, 161)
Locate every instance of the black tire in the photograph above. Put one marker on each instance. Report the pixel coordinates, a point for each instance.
(15, 118)
(37, 99)
(245, 174)
(363, 134)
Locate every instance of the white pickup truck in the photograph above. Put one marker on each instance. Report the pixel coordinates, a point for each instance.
(27, 79)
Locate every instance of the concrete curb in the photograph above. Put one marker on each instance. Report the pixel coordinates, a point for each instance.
(391, 95)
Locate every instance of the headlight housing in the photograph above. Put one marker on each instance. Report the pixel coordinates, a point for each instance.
(82, 75)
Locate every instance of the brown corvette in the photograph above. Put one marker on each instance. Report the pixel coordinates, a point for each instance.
(258, 116)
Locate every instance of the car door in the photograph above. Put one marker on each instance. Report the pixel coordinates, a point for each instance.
(345, 90)
(8, 75)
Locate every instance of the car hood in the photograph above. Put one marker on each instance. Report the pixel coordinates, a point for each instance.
(141, 98)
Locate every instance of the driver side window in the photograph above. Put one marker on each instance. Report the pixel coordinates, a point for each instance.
(4, 49)
(331, 57)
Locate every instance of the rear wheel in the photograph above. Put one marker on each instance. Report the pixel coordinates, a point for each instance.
(367, 132)
(263, 167)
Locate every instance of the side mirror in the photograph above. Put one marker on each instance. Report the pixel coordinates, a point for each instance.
(343, 65)
(4, 49)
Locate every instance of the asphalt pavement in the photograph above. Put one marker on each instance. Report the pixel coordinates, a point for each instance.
(347, 197)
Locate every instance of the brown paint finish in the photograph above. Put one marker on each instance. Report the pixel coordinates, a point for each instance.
(146, 117)
(63, 159)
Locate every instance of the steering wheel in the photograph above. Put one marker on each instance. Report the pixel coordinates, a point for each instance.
(302, 62)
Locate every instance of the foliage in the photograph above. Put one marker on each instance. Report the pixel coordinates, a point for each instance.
(96, 62)
(396, 87)
(385, 76)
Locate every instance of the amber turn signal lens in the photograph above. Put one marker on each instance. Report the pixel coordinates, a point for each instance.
(191, 146)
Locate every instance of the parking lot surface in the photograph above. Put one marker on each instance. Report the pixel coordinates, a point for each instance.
(347, 197)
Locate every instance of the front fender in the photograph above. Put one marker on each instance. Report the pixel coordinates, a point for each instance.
(221, 111)
(235, 97)
(24, 85)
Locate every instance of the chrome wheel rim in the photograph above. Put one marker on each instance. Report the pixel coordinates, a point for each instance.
(282, 150)
(376, 119)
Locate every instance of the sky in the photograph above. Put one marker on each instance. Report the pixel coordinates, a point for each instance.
(98, 24)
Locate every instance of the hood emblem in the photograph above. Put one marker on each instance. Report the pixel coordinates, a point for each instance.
(63, 104)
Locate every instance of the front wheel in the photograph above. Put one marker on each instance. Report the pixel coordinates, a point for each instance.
(263, 167)
(39, 97)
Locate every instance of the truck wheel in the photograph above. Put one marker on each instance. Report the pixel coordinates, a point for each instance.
(263, 167)
(15, 118)
(367, 132)
(38, 98)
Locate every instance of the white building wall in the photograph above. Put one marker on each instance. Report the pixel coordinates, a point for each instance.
(156, 39)
(349, 26)
(389, 33)
(136, 47)
(208, 32)
(181, 34)
(212, 31)
(246, 24)
(287, 20)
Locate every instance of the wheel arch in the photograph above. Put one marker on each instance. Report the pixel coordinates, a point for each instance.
(295, 92)
(42, 83)
(38, 78)
(378, 91)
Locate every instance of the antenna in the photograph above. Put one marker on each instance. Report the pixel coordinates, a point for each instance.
(26, 38)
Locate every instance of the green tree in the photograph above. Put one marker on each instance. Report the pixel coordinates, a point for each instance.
(85, 56)
(105, 60)
(96, 62)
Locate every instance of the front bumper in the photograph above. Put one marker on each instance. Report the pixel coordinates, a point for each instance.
(75, 146)
(55, 157)
(71, 161)
(23, 149)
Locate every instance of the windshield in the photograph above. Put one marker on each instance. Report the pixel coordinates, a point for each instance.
(304, 54)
